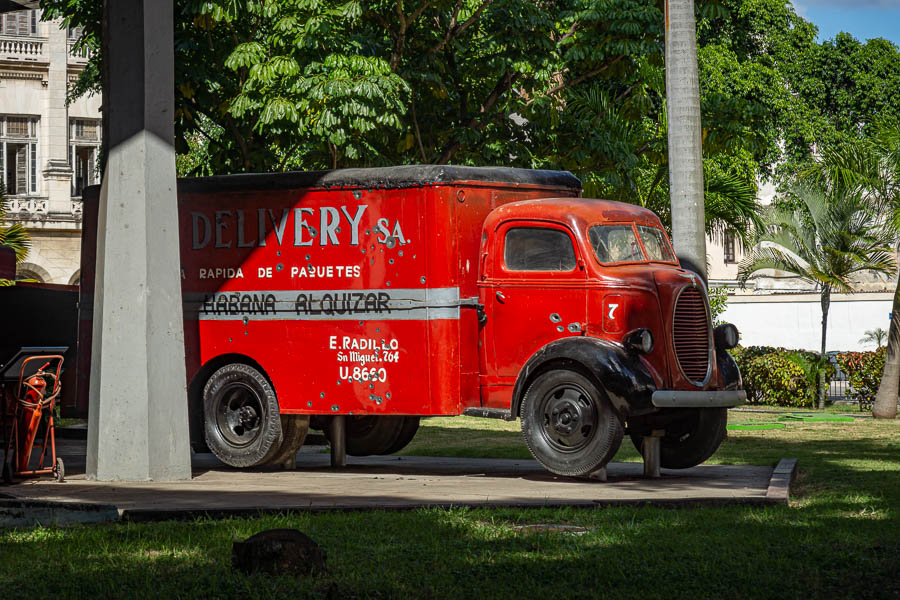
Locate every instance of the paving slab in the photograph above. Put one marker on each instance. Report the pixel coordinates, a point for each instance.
(392, 482)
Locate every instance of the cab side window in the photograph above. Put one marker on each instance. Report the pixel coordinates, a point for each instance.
(538, 249)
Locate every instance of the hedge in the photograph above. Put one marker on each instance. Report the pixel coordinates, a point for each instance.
(864, 371)
(779, 376)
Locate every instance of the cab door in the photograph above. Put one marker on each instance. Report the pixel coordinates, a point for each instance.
(534, 293)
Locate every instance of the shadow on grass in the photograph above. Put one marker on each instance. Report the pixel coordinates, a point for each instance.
(841, 540)
(627, 552)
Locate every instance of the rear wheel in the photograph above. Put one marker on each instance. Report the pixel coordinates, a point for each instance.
(293, 430)
(241, 421)
(407, 433)
(568, 424)
(691, 437)
(370, 434)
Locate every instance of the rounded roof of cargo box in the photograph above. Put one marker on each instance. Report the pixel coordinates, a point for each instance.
(379, 178)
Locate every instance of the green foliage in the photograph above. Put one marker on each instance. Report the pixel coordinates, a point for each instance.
(776, 379)
(864, 370)
(875, 336)
(779, 376)
(13, 236)
(825, 237)
(718, 302)
(302, 84)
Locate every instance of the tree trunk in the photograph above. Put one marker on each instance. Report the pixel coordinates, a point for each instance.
(826, 303)
(886, 400)
(685, 142)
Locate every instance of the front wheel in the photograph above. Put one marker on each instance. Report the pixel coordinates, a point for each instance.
(691, 437)
(241, 421)
(568, 424)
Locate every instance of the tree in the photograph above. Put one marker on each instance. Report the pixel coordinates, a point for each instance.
(874, 336)
(685, 142)
(871, 168)
(12, 236)
(824, 238)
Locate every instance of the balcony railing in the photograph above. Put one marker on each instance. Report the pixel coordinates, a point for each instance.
(22, 48)
(37, 208)
(26, 207)
(78, 55)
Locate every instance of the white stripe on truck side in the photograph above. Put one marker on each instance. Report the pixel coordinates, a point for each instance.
(419, 304)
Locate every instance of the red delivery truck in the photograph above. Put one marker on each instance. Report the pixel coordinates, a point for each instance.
(389, 294)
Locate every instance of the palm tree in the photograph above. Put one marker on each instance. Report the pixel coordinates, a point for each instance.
(12, 236)
(685, 143)
(826, 239)
(872, 169)
(876, 336)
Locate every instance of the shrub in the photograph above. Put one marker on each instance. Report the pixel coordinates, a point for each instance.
(864, 371)
(780, 376)
(777, 378)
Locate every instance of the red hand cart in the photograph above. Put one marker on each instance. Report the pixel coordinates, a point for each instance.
(31, 405)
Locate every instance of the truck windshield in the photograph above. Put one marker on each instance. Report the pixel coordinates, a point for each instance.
(655, 244)
(618, 244)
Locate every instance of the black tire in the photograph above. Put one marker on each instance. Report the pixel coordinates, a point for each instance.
(691, 438)
(241, 423)
(407, 433)
(293, 429)
(370, 434)
(568, 424)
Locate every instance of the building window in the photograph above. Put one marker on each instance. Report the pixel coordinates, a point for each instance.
(729, 247)
(20, 22)
(84, 142)
(19, 155)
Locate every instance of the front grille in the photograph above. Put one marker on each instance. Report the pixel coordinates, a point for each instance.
(690, 332)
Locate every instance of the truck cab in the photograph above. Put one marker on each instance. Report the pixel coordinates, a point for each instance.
(591, 329)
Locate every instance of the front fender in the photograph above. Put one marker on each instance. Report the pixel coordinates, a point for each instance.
(728, 370)
(626, 379)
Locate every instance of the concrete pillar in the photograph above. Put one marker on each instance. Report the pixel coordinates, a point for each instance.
(54, 127)
(137, 419)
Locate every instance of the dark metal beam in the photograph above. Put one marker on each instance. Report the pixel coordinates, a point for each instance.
(14, 5)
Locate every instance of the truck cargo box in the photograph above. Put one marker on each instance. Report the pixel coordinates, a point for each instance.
(354, 291)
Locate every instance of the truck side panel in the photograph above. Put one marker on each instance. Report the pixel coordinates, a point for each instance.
(327, 290)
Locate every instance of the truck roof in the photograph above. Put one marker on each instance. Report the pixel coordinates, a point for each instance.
(379, 178)
(577, 212)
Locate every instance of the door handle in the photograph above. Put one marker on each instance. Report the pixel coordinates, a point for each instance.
(500, 297)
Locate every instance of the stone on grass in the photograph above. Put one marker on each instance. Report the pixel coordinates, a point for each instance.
(278, 552)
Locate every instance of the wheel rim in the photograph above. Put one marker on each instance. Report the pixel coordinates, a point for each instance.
(239, 414)
(569, 418)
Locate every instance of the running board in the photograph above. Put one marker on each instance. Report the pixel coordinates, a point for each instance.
(489, 413)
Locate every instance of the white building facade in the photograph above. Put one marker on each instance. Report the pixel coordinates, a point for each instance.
(48, 150)
(780, 309)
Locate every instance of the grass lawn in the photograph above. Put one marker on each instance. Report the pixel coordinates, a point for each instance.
(839, 538)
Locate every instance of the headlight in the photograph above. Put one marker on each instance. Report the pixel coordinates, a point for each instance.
(726, 336)
(639, 340)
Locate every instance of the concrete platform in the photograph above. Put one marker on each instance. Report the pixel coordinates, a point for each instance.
(391, 482)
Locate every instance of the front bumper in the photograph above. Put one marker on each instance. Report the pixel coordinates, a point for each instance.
(698, 399)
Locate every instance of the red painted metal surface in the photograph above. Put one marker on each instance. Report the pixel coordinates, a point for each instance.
(352, 301)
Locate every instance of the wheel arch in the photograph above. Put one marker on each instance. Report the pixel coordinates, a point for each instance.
(623, 377)
(198, 382)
